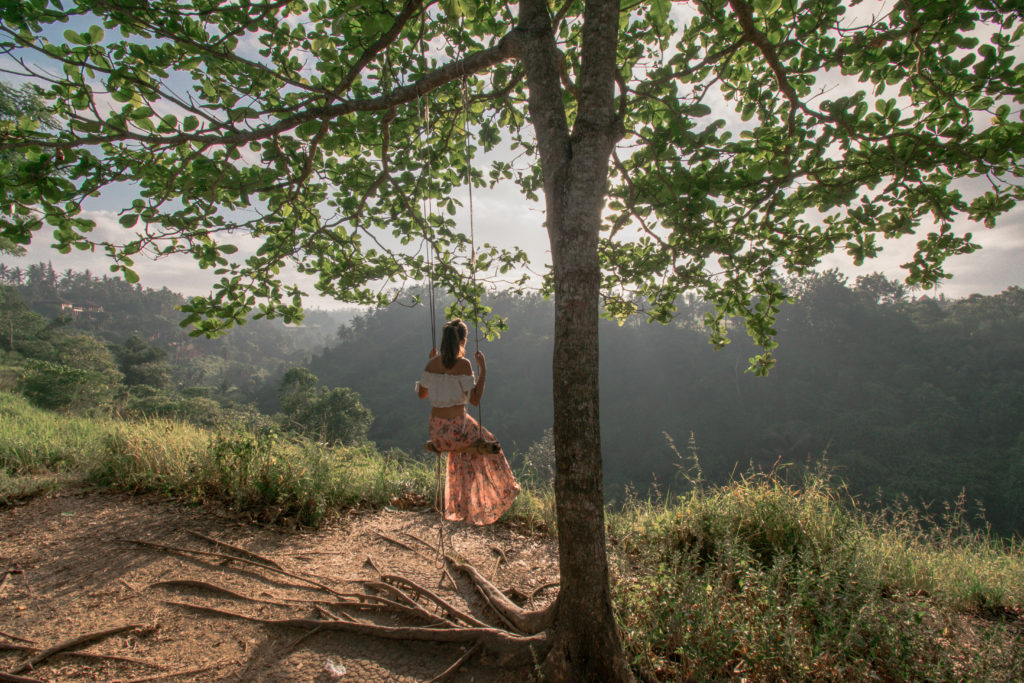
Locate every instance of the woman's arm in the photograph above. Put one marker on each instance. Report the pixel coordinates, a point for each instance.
(421, 390)
(478, 391)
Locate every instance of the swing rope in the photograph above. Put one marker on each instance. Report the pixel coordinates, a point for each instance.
(427, 212)
(425, 116)
(472, 239)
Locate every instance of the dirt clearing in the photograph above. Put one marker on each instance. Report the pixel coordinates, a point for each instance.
(70, 566)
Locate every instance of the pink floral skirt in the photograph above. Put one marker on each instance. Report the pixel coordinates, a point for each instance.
(480, 488)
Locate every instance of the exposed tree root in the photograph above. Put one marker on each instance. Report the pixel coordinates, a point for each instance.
(510, 648)
(242, 551)
(96, 657)
(242, 560)
(527, 638)
(187, 583)
(391, 539)
(440, 602)
(332, 616)
(381, 604)
(524, 621)
(72, 643)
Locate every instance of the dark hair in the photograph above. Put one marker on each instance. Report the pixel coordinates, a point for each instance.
(452, 336)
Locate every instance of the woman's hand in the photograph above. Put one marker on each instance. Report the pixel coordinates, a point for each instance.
(480, 360)
(433, 353)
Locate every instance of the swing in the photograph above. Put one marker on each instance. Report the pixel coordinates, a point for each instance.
(480, 446)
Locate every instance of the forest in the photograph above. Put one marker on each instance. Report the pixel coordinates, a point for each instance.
(903, 399)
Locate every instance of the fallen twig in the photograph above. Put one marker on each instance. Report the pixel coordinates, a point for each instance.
(170, 674)
(11, 647)
(11, 678)
(17, 638)
(417, 538)
(247, 553)
(499, 557)
(373, 564)
(295, 643)
(454, 667)
(392, 539)
(70, 643)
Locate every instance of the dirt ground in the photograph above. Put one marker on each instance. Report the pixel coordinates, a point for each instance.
(69, 569)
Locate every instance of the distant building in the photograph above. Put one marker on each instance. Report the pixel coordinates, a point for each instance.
(55, 307)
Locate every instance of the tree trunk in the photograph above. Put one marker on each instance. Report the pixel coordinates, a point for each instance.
(586, 643)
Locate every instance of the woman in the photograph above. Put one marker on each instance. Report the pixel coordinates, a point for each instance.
(480, 487)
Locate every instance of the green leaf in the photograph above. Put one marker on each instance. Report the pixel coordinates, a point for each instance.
(308, 129)
(659, 13)
(95, 34)
(76, 38)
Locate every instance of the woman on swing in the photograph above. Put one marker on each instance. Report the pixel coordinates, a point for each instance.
(480, 487)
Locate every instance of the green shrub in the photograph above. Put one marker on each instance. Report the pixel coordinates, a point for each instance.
(56, 386)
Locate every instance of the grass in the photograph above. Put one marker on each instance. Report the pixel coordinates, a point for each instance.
(274, 478)
(766, 581)
(757, 580)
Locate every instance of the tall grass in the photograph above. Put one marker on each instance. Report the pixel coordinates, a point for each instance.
(272, 477)
(765, 581)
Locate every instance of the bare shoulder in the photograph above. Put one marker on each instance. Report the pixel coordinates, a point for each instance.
(434, 365)
(462, 367)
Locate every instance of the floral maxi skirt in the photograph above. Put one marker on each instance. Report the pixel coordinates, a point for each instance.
(480, 488)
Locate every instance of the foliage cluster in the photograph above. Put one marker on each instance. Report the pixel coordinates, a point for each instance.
(84, 343)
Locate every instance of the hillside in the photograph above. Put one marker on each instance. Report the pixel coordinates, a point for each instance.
(763, 579)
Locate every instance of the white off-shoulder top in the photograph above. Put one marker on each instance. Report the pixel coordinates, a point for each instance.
(446, 390)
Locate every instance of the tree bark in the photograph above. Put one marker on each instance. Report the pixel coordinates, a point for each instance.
(586, 645)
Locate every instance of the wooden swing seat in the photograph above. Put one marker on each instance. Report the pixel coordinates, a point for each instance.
(480, 447)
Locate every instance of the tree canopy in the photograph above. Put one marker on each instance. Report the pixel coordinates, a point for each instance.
(707, 147)
(755, 138)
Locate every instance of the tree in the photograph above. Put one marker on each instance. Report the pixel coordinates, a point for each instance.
(82, 376)
(332, 415)
(143, 364)
(851, 127)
